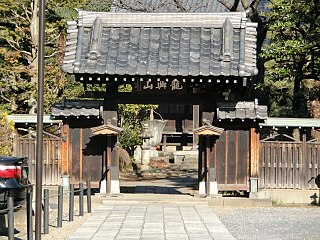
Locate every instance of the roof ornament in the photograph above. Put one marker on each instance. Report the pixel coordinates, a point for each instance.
(227, 46)
(95, 39)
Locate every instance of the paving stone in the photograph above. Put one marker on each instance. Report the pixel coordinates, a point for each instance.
(152, 237)
(75, 237)
(127, 237)
(105, 235)
(176, 236)
(152, 230)
(199, 237)
(153, 221)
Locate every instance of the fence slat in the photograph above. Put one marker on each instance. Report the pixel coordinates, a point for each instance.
(26, 147)
(288, 165)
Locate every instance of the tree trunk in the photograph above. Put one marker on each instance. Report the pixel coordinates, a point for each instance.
(34, 31)
(299, 104)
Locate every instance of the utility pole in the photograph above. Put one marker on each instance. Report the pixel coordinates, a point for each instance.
(39, 154)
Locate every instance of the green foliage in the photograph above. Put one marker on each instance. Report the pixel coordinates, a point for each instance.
(130, 118)
(292, 56)
(6, 131)
(98, 5)
(18, 53)
(130, 137)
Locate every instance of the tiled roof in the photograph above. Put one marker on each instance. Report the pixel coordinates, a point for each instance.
(106, 129)
(162, 44)
(31, 119)
(241, 110)
(208, 130)
(77, 108)
(291, 122)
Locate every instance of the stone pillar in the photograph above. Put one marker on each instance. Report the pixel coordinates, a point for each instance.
(145, 153)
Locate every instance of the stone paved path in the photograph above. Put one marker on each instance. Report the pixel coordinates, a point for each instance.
(154, 221)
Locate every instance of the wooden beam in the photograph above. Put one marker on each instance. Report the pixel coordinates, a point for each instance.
(254, 153)
(80, 155)
(64, 152)
(196, 124)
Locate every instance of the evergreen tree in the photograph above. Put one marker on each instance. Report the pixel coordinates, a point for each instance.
(293, 56)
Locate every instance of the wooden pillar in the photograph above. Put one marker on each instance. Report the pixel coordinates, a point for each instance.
(110, 105)
(254, 160)
(64, 150)
(202, 168)
(206, 163)
(196, 124)
(108, 164)
(212, 179)
(110, 116)
(304, 178)
(104, 161)
(80, 155)
(114, 170)
(207, 168)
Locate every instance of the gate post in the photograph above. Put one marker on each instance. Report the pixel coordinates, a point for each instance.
(114, 170)
(254, 162)
(207, 172)
(110, 179)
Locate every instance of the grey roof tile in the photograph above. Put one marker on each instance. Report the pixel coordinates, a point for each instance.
(241, 110)
(77, 108)
(136, 44)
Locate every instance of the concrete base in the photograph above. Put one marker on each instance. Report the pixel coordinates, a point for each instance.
(291, 196)
(253, 185)
(115, 187)
(202, 188)
(239, 202)
(108, 195)
(65, 182)
(103, 186)
(200, 195)
(213, 188)
(216, 195)
(258, 195)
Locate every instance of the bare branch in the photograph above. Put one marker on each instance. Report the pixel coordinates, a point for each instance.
(245, 4)
(13, 45)
(52, 54)
(19, 16)
(27, 12)
(4, 98)
(179, 5)
(227, 4)
(254, 5)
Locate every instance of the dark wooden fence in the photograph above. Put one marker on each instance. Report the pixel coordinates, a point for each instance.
(288, 164)
(231, 157)
(26, 147)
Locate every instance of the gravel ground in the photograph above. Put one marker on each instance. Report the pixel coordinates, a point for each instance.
(54, 233)
(272, 222)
